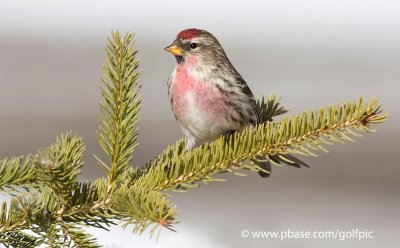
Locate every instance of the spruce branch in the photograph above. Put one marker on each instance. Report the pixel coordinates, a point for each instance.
(299, 134)
(270, 108)
(16, 172)
(18, 239)
(21, 213)
(95, 204)
(74, 236)
(59, 165)
(119, 112)
(56, 195)
(143, 208)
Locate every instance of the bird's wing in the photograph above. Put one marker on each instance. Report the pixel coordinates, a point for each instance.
(246, 90)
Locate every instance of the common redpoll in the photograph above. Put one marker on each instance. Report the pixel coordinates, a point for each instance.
(208, 96)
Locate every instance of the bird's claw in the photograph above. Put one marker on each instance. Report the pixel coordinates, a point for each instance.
(229, 135)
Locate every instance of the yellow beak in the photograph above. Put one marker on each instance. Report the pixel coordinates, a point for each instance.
(174, 49)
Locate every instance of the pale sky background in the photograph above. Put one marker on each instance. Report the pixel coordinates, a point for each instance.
(313, 53)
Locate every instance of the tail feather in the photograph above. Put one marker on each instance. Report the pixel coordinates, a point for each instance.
(265, 162)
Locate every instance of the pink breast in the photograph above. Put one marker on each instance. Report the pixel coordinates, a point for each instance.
(182, 85)
(211, 101)
(208, 99)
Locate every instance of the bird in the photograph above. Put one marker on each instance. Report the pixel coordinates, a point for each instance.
(208, 96)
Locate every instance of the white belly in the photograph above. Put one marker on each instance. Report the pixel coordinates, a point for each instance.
(197, 125)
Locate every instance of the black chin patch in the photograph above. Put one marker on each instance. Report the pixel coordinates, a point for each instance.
(179, 59)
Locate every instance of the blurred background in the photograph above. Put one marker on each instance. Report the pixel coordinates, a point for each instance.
(313, 53)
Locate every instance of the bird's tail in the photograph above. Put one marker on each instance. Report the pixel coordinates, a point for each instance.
(265, 162)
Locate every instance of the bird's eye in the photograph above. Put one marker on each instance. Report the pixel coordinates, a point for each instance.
(193, 45)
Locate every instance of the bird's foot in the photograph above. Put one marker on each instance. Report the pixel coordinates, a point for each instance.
(229, 135)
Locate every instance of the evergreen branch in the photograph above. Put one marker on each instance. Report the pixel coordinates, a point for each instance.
(270, 108)
(18, 239)
(51, 235)
(16, 172)
(128, 203)
(143, 208)
(40, 214)
(88, 205)
(59, 165)
(119, 112)
(294, 134)
(20, 213)
(76, 237)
